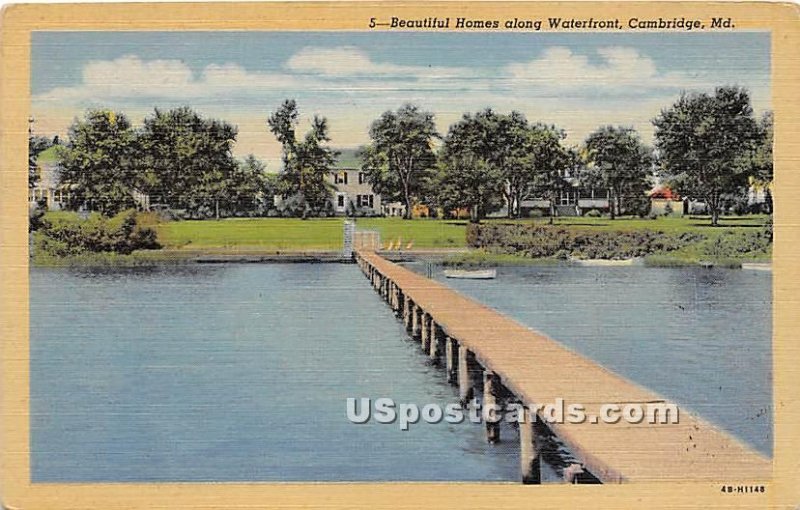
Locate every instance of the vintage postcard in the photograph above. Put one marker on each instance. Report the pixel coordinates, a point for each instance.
(418, 254)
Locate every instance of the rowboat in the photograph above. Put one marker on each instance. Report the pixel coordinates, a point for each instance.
(480, 274)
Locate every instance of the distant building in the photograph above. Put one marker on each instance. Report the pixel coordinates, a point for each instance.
(353, 193)
(47, 189)
(665, 202)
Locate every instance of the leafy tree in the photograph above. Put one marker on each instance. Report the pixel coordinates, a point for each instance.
(706, 142)
(98, 162)
(762, 161)
(187, 160)
(468, 175)
(400, 158)
(510, 153)
(306, 163)
(250, 189)
(549, 163)
(620, 163)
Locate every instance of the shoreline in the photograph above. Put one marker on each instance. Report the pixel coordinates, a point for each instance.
(449, 257)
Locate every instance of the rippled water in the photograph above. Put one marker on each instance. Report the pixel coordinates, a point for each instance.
(240, 372)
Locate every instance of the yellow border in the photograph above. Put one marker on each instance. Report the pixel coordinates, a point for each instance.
(17, 492)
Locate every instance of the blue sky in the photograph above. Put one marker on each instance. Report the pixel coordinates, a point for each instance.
(577, 81)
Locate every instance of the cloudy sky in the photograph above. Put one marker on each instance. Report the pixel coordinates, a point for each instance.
(576, 81)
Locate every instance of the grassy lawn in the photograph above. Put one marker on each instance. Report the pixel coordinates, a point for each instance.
(326, 234)
(288, 234)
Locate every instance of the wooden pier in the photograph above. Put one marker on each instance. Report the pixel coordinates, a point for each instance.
(465, 336)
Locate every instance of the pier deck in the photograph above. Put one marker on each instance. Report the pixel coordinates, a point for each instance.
(539, 370)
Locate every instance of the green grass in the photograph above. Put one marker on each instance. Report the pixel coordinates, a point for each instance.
(289, 234)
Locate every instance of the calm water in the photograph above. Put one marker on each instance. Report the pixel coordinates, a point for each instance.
(701, 337)
(234, 372)
(240, 372)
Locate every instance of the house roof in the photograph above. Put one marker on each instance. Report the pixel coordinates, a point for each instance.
(348, 158)
(663, 192)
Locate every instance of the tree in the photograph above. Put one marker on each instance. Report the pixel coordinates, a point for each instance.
(468, 175)
(762, 170)
(186, 160)
(510, 154)
(548, 162)
(620, 163)
(98, 163)
(250, 189)
(400, 157)
(306, 163)
(706, 143)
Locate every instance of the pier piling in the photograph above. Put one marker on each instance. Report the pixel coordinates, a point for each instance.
(490, 409)
(416, 313)
(464, 379)
(424, 334)
(433, 339)
(450, 347)
(530, 470)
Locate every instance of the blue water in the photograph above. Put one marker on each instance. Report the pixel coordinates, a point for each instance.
(240, 372)
(233, 373)
(702, 337)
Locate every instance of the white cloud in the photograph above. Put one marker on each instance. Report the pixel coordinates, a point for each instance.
(350, 61)
(620, 69)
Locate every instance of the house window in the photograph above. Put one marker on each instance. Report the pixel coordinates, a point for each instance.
(340, 201)
(340, 178)
(365, 201)
(362, 177)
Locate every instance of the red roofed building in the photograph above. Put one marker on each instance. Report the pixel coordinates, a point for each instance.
(664, 201)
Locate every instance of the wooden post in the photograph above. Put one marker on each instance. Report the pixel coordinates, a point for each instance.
(415, 320)
(491, 419)
(450, 358)
(433, 351)
(424, 333)
(530, 470)
(408, 306)
(464, 382)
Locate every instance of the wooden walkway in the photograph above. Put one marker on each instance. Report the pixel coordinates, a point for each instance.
(536, 369)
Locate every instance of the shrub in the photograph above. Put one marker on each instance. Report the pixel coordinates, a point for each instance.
(593, 213)
(68, 235)
(559, 242)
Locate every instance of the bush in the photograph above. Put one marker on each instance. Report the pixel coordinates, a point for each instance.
(68, 234)
(559, 242)
(593, 213)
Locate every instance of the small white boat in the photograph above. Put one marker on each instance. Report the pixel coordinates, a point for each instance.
(480, 274)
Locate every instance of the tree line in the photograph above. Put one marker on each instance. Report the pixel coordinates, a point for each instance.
(178, 158)
(708, 147)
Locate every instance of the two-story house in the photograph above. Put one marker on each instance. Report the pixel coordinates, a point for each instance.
(353, 193)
